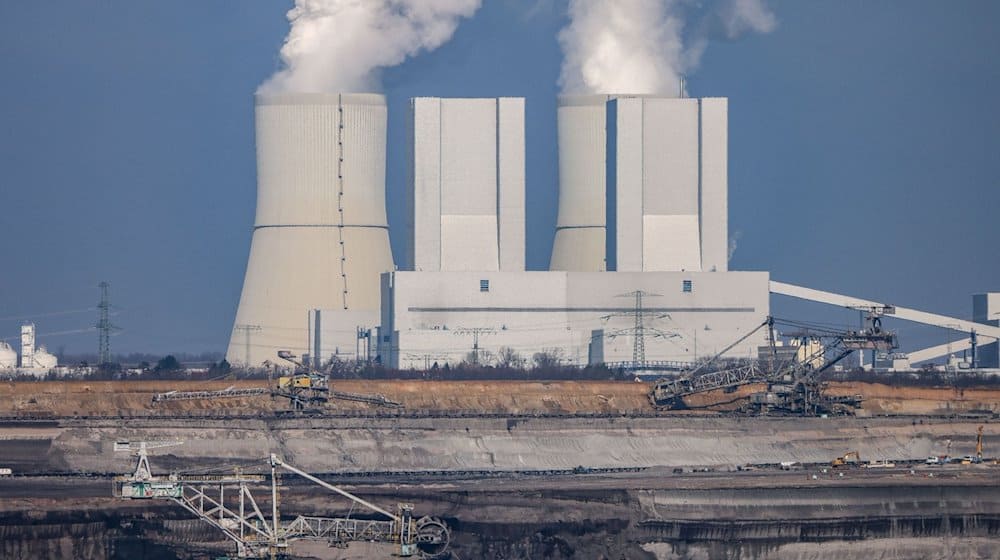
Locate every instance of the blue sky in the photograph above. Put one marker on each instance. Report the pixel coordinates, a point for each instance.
(864, 143)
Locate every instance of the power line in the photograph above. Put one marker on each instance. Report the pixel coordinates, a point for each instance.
(48, 314)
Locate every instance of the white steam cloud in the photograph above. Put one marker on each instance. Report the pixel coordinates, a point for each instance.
(341, 45)
(639, 46)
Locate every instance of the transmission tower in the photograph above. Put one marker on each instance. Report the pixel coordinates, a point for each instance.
(104, 326)
(475, 332)
(639, 330)
(247, 331)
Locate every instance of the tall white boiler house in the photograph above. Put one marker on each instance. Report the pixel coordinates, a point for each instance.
(320, 237)
(642, 184)
(466, 204)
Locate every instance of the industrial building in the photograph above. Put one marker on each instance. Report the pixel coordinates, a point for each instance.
(649, 300)
(638, 270)
(34, 357)
(320, 237)
(579, 318)
(642, 184)
(466, 204)
(638, 275)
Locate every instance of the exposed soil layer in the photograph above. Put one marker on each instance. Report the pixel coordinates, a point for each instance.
(135, 398)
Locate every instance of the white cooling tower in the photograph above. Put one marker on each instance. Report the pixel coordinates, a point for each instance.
(320, 239)
(579, 240)
(642, 184)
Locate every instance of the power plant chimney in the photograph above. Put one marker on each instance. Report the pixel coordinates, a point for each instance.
(320, 238)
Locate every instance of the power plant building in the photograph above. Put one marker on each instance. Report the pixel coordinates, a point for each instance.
(642, 184)
(467, 176)
(580, 317)
(34, 357)
(320, 237)
(642, 211)
(464, 301)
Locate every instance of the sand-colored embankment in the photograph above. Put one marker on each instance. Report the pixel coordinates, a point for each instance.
(886, 399)
(78, 398)
(135, 398)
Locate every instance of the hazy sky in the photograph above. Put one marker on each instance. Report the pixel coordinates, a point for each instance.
(864, 151)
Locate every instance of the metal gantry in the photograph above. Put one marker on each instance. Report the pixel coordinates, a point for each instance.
(230, 392)
(227, 503)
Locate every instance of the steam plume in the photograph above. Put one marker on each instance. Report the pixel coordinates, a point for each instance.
(639, 46)
(341, 45)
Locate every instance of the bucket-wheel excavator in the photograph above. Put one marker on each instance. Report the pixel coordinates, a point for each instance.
(792, 380)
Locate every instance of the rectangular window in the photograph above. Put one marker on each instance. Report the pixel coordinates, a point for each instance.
(686, 286)
(484, 285)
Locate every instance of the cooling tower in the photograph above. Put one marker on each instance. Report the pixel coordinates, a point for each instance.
(579, 240)
(320, 238)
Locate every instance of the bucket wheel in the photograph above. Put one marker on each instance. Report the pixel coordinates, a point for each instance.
(433, 537)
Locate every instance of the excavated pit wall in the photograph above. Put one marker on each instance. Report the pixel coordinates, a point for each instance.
(846, 519)
(631, 518)
(407, 444)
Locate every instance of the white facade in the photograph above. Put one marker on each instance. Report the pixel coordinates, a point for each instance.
(643, 184)
(320, 238)
(34, 358)
(986, 309)
(430, 317)
(28, 345)
(467, 174)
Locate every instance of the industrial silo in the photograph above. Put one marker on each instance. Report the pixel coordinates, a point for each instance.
(8, 356)
(320, 238)
(44, 360)
(579, 240)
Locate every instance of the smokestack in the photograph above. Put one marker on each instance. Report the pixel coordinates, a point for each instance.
(320, 238)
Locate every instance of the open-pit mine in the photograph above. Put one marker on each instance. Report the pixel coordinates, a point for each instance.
(510, 469)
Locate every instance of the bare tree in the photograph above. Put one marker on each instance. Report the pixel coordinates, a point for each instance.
(548, 358)
(508, 358)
